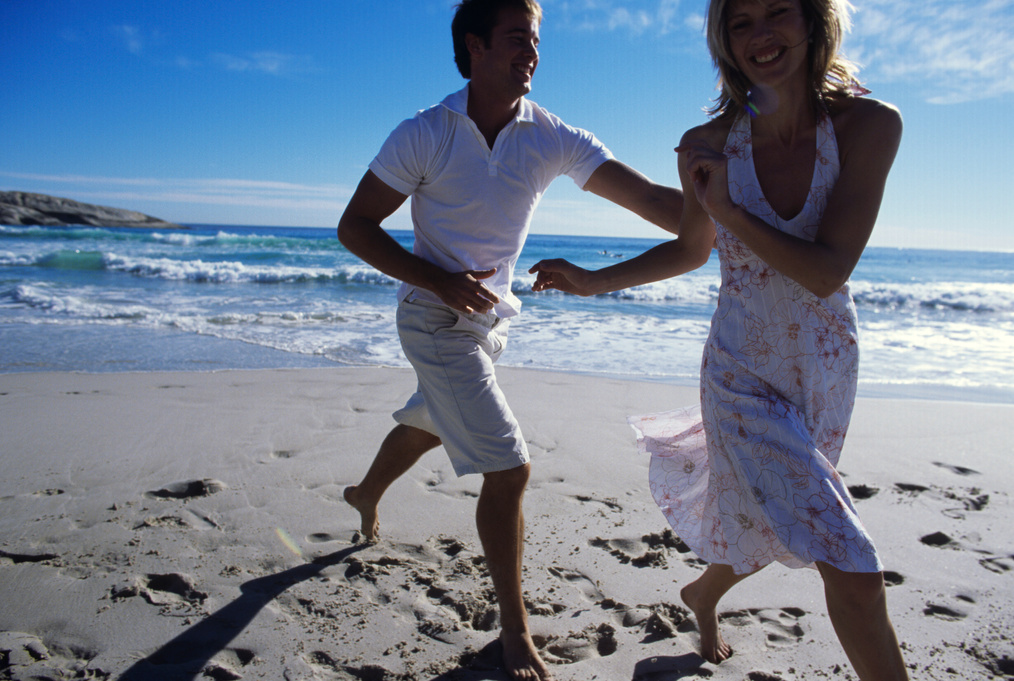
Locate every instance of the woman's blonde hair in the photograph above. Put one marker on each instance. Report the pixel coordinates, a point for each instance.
(832, 76)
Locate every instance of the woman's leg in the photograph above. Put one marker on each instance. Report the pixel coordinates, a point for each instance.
(702, 596)
(857, 605)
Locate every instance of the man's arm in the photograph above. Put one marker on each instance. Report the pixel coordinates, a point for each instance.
(360, 232)
(624, 186)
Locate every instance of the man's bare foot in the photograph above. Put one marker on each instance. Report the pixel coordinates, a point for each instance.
(521, 658)
(714, 649)
(369, 523)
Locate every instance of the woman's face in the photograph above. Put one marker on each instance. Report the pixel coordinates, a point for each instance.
(768, 39)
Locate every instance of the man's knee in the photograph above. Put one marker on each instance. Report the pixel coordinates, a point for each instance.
(512, 480)
(417, 436)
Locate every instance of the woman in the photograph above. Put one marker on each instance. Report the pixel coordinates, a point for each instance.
(786, 181)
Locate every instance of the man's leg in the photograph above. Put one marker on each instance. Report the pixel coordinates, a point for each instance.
(402, 447)
(500, 521)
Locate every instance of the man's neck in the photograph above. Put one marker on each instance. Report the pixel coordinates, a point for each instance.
(489, 112)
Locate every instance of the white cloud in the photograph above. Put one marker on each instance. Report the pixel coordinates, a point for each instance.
(695, 21)
(271, 63)
(959, 51)
(131, 38)
(956, 50)
(205, 191)
(140, 42)
(635, 16)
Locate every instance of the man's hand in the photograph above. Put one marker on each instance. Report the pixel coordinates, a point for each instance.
(464, 292)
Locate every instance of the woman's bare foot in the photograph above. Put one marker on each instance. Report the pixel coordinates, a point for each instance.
(714, 649)
(521, 658)
(369, 523)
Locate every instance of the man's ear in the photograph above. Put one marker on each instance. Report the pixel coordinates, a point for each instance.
(475, 44)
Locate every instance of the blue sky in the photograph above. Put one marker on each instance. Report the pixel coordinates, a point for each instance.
(267, 113)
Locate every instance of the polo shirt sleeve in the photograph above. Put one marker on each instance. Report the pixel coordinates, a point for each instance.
(583, 154)
(400, 162)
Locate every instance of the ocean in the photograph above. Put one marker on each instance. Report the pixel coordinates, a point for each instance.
(933, 324)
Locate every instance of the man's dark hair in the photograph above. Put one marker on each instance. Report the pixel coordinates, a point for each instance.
(479, 17)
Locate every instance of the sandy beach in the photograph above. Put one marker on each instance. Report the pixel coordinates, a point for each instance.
(169, 526)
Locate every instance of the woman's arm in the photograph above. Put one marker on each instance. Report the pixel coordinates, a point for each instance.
(869, 133)
(688, 251)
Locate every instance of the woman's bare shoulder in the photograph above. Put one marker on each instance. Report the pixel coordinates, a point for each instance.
(713, 133)
(865, 120)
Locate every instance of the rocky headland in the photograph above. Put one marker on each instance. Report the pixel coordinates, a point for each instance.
(24, 208)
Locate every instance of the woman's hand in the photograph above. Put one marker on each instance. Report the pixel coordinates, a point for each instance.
(563, 276)
(708, 169)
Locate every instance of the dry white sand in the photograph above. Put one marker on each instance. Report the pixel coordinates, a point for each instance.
(190, 525)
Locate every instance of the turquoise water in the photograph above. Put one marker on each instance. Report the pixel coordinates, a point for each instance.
(936, 324)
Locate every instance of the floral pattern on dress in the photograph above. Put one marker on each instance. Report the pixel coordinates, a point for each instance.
(749, 476)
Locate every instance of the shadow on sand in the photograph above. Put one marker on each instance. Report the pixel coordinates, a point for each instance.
(670, 668)
(186, 656)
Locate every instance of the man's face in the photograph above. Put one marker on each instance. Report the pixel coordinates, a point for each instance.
(509, 61)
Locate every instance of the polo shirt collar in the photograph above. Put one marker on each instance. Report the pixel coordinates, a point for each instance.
(458, 103)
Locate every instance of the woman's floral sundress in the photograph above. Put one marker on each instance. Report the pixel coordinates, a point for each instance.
(749, 477)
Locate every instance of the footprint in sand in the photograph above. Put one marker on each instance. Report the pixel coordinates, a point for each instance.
(665, 539)
(171, 588)
(669, 668)
(591, 642)
(781, 626)
(666, 621)
(1001, 666)
(450, 547)
(31, 658)
(321, 538)
(580, 581)
(861, 492)
(190, 489)
(957, 470)
(998, 564)
(944, 612)
(630, 551)
(659, 620)
(970, 499)
(609, 503)
(320, 659)
(647, 551)
(476, 611)
(892, 578)
(17, 558)
(188, 519)
(166, 521)
(225, 665)
(333, 669)
(939, 539)
(168, 589)
(438, 630)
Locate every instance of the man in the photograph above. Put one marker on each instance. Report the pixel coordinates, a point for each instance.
(476, 166)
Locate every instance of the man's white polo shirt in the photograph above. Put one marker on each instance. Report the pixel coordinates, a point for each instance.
(472, 205)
